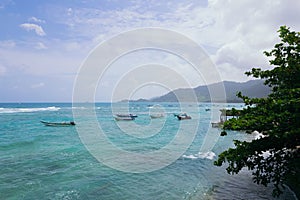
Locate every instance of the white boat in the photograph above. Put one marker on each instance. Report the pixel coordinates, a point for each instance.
(125, 117)
(155, 116)
(182, 116)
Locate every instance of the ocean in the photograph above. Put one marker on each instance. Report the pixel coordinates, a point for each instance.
(101, 158)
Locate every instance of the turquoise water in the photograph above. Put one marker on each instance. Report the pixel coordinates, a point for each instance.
(40, 162)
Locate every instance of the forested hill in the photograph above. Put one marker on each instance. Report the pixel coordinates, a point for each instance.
(252, 88)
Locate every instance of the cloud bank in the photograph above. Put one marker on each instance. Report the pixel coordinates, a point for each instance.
(233, 33)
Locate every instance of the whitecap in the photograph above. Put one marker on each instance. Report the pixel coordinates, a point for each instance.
(190, 157)
(23, 110)
(79, 108)
(208, 155)
(201, 155)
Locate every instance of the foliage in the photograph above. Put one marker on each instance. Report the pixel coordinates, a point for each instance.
(276, 155)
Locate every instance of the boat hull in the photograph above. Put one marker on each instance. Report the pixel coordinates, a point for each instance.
(155, 116)
(125, 117)
(58, 123)
(183, 117)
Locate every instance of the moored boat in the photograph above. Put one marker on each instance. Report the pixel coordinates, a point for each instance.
(125, 117)
(155, 116)
(71, 123)
(182, 116)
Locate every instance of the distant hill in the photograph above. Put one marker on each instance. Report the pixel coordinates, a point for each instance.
(252, 88)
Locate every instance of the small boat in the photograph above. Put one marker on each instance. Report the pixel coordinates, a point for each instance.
(125, 117)
(155, 116)
(182, 116)
(58, 123)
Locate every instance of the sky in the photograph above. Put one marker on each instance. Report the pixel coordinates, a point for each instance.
(43, 44)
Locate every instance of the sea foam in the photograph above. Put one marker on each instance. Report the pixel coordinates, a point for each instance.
(23, 110)
(201, 155)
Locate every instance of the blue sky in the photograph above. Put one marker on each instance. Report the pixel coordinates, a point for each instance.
(44, 43)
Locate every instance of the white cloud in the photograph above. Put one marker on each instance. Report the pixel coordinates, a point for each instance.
(72, 46)
(41, 45)
(38, 85)
(2, 70)
(41, 63)
(243, 30)
(69, 11)
(38, 29)
(234, 53)
(234, 33)
(36, 20)
(7, 44)
(5, 3)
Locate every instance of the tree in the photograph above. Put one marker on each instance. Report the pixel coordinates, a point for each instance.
(274, 157)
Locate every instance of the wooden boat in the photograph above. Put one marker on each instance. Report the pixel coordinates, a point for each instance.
(58, 123)
(182, 116)
(125, 117)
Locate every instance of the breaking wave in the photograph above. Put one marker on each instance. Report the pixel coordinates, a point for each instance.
(201, 155)
(24, 110)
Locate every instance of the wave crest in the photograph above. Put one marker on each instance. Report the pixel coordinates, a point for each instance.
(22, 110)
(201, 155)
